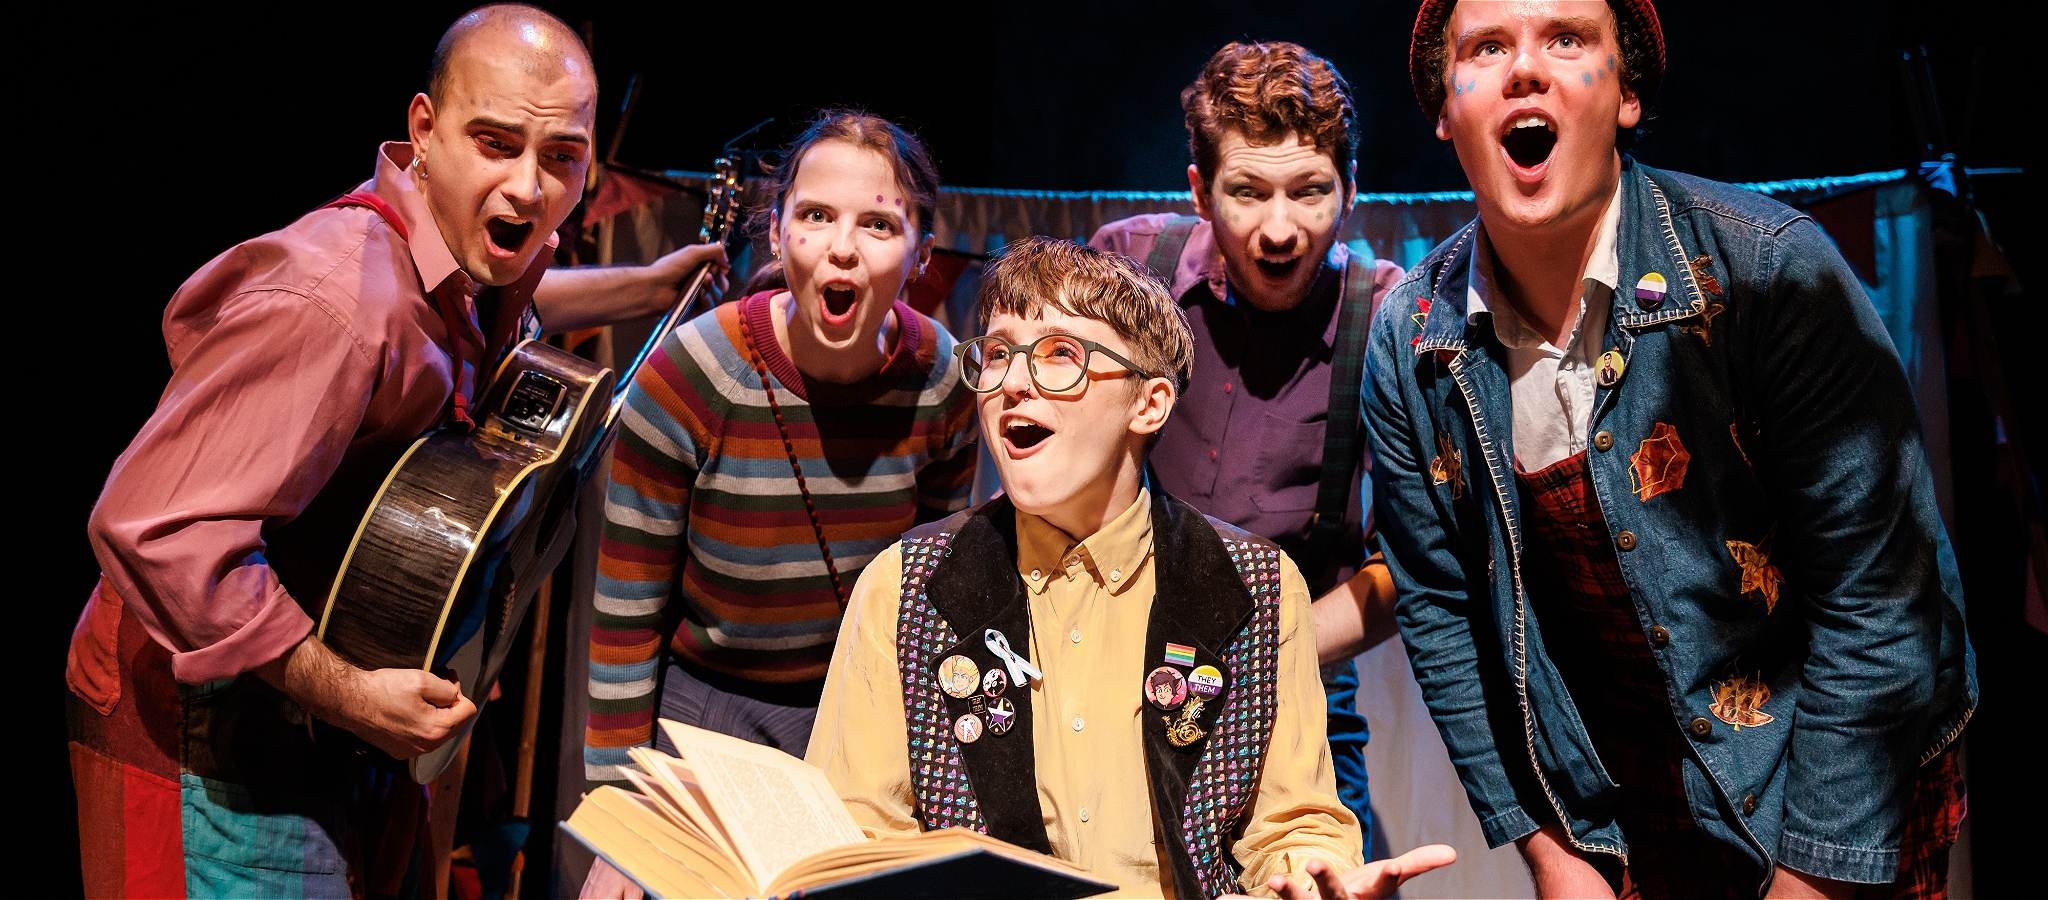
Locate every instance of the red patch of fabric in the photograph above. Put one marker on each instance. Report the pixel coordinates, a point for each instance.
(98, 782)
(1658, 466)
(130, 834)
(92, 668)
(152, 815)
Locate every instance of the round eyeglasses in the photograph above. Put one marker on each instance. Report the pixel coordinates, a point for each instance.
(1058, 362)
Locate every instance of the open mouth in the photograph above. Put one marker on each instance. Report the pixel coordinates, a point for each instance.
(1278, 269)
(507, 234)
(1529, 140)
(839, 302)
(1022, 436)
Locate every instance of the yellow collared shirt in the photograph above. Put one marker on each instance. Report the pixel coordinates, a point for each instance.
(1090, 604)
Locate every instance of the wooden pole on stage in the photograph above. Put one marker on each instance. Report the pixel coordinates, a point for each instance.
(445, 795)
(529, 723)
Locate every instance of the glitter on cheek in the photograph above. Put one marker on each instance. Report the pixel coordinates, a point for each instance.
(878, 198)
(899, 201)
(803, 240)
(1585, 78)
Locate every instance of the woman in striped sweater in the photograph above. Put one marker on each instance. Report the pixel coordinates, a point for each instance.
(771, 449)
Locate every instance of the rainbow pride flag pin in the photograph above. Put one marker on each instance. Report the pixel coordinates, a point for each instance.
(1180, 654)
(1650, 291)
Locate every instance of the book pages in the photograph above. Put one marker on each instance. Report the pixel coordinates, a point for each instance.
(679, 786)
(775, 809)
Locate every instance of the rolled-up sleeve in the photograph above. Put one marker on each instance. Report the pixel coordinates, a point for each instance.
(1296, 816)
(260, 409)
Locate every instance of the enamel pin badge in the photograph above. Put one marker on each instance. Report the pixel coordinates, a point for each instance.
(1650, 291)
(967, 728)
(1002, 714)
(1184, 730)
(1165, 688)
(959, 677)
(1610, 368)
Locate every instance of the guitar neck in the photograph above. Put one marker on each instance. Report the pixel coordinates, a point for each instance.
(685, 299)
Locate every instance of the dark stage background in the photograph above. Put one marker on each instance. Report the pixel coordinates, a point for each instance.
(155, 140)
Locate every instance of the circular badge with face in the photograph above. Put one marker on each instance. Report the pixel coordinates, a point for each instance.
(959, 676)
(1001, 715)
(994, 682)
(1205, 682)
(1165, 688)
(967, 728)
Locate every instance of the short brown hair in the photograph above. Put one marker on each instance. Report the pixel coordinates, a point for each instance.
(1267, 91)
(1079, 280)
(916, 176)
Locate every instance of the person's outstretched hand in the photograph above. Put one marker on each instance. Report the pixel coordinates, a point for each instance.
(1372, 881)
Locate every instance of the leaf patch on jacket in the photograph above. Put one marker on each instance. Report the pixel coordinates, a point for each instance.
(1444, 469)
(1758, 573)
(1739, 701)
(1659, 465)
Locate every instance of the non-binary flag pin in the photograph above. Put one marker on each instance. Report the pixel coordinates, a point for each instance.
(1180, 654)
(1650, 291)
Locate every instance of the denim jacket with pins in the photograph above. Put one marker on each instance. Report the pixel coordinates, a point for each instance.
(1760, 467)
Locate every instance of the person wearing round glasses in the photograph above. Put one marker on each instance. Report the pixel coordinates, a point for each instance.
(1157, 717)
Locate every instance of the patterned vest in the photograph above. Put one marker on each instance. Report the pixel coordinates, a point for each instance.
(1220, 594)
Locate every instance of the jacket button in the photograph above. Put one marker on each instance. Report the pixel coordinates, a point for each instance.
(1749, 805)
(1659, 636)
(1701, 727)
(1603, 442)
(1626, 541)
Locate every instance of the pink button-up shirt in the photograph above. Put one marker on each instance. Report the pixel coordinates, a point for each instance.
(303, 363)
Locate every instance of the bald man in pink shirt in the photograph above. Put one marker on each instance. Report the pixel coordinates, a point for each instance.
(304, 362)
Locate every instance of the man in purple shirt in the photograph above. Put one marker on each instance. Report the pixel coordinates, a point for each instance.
(1279, 311)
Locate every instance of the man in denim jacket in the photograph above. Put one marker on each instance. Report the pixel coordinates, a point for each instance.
(1650, 484)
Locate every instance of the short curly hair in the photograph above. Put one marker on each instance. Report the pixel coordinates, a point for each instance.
(1079, 280)
(1637, 31)
(1266, 91)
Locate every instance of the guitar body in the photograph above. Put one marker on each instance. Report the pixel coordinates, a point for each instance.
(469, 523)
(466, 527)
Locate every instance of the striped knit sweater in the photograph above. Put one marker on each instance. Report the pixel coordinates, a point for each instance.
(704, 508)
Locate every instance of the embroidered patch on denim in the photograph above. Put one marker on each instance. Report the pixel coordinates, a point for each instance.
(1758, 574)
(1739, 701)
(1701, 265)
(1658, 466)
(1444, 469)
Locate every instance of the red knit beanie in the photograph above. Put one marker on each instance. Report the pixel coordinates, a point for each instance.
(1630, 16)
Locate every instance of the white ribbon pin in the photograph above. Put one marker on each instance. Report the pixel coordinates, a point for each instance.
(1019, 666)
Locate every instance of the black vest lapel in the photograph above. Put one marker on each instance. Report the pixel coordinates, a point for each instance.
(1200, 601)
(976, 589)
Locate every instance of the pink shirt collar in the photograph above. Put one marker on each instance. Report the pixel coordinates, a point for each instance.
(394, 183)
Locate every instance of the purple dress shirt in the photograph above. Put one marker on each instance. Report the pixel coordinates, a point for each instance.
(1245, 442)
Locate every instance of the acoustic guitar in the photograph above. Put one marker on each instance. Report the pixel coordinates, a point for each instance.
(470, 521)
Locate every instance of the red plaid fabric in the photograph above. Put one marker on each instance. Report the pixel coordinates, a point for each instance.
(1593, 635)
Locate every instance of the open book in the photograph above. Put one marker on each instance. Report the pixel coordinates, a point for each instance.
(734, 819)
